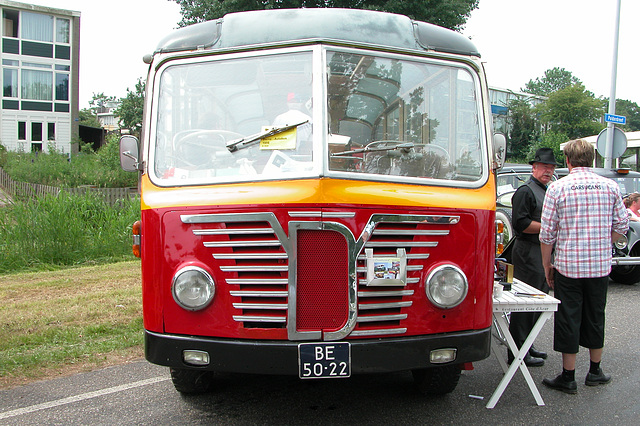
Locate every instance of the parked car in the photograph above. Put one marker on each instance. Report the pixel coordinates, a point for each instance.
(509, 178)
(626, 261)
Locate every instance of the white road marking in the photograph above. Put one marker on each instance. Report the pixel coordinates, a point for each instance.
(81, 397)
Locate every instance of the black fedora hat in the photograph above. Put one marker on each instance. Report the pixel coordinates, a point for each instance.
(545, 156)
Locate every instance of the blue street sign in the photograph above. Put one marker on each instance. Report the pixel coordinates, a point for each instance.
(617, 119)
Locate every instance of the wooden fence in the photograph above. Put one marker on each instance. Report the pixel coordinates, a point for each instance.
(25, 190)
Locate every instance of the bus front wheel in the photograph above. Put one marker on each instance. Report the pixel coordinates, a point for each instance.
(191, 381)
(437, 380)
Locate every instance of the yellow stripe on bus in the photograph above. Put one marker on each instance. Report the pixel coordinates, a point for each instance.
(312, 191)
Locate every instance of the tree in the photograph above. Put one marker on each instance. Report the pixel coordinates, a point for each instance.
(573, 111)
(524, 127)
(87, 117)
(554, 79)
(99, 101)
(131, 107)
(628, 109)
(549, 140)
(452, 14)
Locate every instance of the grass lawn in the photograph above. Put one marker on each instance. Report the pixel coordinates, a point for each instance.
(56, 323)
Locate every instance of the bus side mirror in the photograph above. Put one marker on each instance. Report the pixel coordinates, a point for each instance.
(129, 153)
(499, 150)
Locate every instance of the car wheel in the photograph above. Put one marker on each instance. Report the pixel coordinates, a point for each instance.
(191, 381)
(437, 380)
(627, 274)
(504, 216)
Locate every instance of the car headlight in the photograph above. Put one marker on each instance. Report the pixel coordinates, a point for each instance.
(446, 286)
(621, 242)
(193, 288)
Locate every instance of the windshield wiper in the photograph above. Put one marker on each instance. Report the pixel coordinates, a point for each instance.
(236, 144)
(404, 146)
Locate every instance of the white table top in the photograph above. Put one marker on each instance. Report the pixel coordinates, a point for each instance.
(509, 301)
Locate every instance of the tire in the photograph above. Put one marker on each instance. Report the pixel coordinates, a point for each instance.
(437, 380)
(504, 216)
(627, 274)
(191, 381)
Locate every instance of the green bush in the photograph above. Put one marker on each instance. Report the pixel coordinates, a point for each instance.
(63, 230)
(100, 169)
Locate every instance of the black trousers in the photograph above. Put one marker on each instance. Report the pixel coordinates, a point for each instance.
(527, 267)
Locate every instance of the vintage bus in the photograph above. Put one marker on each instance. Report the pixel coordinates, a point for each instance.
(317, 198)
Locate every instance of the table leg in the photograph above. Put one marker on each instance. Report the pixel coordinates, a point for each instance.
(519, 355)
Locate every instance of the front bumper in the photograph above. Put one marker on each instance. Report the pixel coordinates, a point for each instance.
(281, 357)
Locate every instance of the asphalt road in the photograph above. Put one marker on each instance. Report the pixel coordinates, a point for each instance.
(142, 394)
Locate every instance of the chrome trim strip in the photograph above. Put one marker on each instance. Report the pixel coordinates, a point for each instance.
(338, 214)
(226, 231)
(376, 318)
(398, 293)
(350, 324)
(258, 293)
(260, 306)
(257, 256)
(322, 214)
(253, 268)
(249, 318)
(363, 281)
(409, 256)
(257, 243)
(409, 268)
(306, 214)
(390, 305)
(401, 244)
(410, 232)
(263, 281)
(381, 332)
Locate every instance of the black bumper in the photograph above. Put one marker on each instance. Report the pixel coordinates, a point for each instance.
(281, 357)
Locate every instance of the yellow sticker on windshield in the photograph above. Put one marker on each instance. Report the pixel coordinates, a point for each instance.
(284, 140)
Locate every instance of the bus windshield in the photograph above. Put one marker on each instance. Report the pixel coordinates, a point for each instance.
(263, 117)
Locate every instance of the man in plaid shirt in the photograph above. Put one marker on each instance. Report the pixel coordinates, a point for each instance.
(582, 214)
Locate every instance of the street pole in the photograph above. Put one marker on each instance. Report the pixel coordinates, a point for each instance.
(612, 94)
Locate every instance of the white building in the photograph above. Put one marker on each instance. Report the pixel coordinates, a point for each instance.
(40, 63)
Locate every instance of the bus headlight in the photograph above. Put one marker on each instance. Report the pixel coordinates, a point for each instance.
(193, 288)
(446, 286)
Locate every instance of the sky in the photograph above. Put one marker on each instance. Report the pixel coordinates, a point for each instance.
(518, 40)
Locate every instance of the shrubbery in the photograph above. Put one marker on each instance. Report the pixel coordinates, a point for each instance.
(63, 230)
(101, 168)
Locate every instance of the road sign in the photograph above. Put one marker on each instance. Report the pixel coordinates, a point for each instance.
(616, 119)
(619, 142)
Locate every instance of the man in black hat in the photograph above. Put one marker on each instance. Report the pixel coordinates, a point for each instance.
(527, 204)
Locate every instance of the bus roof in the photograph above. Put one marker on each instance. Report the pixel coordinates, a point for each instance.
(351, 26)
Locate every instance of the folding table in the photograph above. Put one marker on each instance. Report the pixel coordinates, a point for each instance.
(510, 301)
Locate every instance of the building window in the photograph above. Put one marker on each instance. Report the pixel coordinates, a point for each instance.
(37, 85)
(10, 83)
(22, 131)
(62, 87)
(62, 30)
(51, 131)
(10, 23)
(37, 27)
(36, 132)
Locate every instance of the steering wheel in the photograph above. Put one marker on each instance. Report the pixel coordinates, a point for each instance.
(198, 147)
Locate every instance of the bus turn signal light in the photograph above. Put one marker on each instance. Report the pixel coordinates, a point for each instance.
(136, 230)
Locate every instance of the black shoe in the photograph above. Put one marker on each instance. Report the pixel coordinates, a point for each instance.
(559, 383)
(597, 379)
(537, 354)
(529, 360)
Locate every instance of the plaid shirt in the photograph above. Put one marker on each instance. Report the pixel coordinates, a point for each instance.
(579, 213)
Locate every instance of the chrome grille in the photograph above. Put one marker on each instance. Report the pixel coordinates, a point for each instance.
(253, 253)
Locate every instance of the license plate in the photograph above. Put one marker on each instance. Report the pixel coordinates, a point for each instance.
(324, 360)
